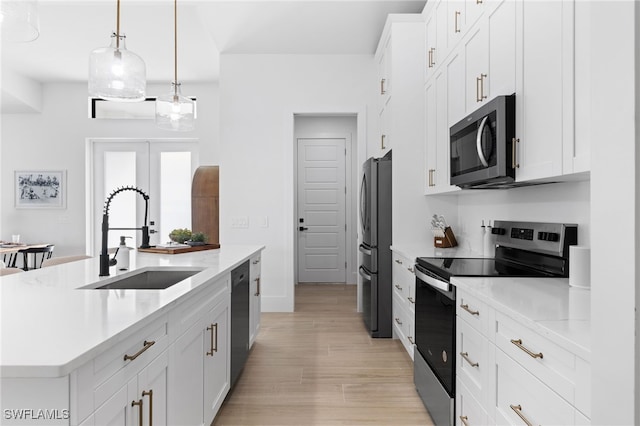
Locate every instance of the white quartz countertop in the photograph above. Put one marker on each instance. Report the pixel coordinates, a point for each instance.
(49, 327)
(426, 249)
(549, 306)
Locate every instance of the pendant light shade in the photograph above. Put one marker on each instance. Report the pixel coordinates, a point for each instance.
(115, 73)
(174, 111)
(19, 20)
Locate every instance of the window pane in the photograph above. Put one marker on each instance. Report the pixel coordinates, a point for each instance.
(175, 192)
(120, 170)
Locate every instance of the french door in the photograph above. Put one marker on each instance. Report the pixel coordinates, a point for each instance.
(162, 169)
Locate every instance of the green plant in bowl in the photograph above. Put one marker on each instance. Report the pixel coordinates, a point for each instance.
(180, 235)
(197, 239)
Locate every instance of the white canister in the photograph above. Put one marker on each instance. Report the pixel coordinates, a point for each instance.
(580, 266)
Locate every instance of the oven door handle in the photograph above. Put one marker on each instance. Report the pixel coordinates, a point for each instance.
(364, 275)
(364, 250)
(433, 282)
(479, 142)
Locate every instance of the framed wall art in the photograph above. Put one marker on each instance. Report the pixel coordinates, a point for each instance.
(40, 189)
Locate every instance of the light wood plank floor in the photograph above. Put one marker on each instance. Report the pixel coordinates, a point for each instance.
(318, 366)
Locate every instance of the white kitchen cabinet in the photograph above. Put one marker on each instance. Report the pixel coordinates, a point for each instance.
(199, 376)
(404, 296)
(152, 391)
(544, 87)
(385, 132)
(455, 21)
(117, 410)
(437, 130)
(255, 298)
(384, 74)
(509, 372)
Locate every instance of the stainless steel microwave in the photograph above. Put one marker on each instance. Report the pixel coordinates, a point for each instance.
(481, 146)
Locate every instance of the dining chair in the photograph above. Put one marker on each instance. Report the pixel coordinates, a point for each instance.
(63, 259)
(45, 252)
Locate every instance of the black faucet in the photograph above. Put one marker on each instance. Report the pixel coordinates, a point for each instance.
(105, 262)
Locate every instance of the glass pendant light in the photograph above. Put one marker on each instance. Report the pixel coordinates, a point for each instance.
(174, 111)
(115, 73)
(19, 20)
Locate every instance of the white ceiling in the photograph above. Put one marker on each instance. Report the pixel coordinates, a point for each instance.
(70, 30)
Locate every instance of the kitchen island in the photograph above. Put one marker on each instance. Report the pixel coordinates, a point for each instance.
(75, 351)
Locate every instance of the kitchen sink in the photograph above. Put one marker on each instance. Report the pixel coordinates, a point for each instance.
(158, 278)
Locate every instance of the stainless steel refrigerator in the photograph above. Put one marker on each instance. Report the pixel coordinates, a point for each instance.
(375, 251)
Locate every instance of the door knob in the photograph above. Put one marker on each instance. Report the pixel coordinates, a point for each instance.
(303, 228)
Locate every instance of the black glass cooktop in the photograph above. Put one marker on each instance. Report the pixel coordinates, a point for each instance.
(446, 267)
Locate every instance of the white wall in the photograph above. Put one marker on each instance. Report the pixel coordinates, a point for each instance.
(259, 94)
(55, 139)
(328, 126)
(614, 215)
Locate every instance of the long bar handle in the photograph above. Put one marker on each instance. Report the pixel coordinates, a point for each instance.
(382, 138)
(399, 262)
(457, 29)
(398, 287)
(150, 395)
(514, 160)
(146, 346)
(463, 420)
(431, 177)
(398, 321)
(465, 355)
(519, 344)
(139, 404)
(258, 287)
(410, 299)
(471, 311)
(518, 410)
(211, 329)
(382, 89)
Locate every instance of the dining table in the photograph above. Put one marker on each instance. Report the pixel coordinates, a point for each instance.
(7, 248)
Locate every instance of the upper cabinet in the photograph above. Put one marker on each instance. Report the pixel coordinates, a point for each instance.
(538, 50)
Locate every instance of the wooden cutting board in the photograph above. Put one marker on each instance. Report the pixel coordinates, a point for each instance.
(178, 250)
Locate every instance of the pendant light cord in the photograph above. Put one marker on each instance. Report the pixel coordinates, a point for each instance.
(118, 26)
(175, 44)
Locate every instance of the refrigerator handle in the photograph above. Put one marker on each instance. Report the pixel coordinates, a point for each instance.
(364, 250)
(364, 275)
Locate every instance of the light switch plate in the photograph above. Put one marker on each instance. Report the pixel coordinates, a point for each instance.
(240, 222)
(264, 222)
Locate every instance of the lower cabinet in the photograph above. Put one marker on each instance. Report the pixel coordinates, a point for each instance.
(507, 373)
(255, 297)
(403, 305)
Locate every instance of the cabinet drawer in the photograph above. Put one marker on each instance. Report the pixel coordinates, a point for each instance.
(472, 365)
(469, 411)
(403, 324)
(547, 361)
(519, 392)
(192, 309)
(139, 343)
(475, 312)
(255, 266)
(404, 279)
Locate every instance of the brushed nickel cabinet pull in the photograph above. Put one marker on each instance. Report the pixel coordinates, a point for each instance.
(432, 61)
(465, 355)
(430, 56)
(518, 343)
(211, 329)
(255, 262)
(514, 161)
(463, 420)
(410, 270)
(398, 321)
(139, 404)
(146, 346)
(518, 410)
(382, 138)
(382, 89)
(398, 287)
(411, 340)
(411, 299)
(258, 287)
(431, 177)
(399, 262)
(478, 1)
(471, 311)
(150, 395)
(457, 29)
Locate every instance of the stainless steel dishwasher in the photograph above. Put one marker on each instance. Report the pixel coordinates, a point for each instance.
(239, 320)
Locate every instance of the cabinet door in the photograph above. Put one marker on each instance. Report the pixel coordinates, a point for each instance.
(118, 410)
(255, 298)
(500, 27)
(217, 365)
(431, 45)
(152, 391)
(431, 105)
(186, 377)
(385, 130)
(441, 49)
(455, 24)
(539, 82)
(476, 71)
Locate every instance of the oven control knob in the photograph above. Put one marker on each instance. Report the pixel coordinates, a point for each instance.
(444, 356)
(498, 231)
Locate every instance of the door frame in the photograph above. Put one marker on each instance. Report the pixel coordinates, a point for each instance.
(286, 302)
(350, 239)
(90, 211)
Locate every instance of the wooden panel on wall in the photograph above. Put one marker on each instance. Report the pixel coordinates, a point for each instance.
(205, 204)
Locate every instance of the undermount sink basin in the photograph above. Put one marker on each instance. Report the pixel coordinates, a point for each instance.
(146, 279)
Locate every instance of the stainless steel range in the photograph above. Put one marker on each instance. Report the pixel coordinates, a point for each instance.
(523, 249)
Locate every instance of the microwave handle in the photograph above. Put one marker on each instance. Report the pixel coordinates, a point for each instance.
(479, 142)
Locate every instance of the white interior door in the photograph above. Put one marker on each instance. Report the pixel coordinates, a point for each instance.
(321, 203)
(161, 169)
